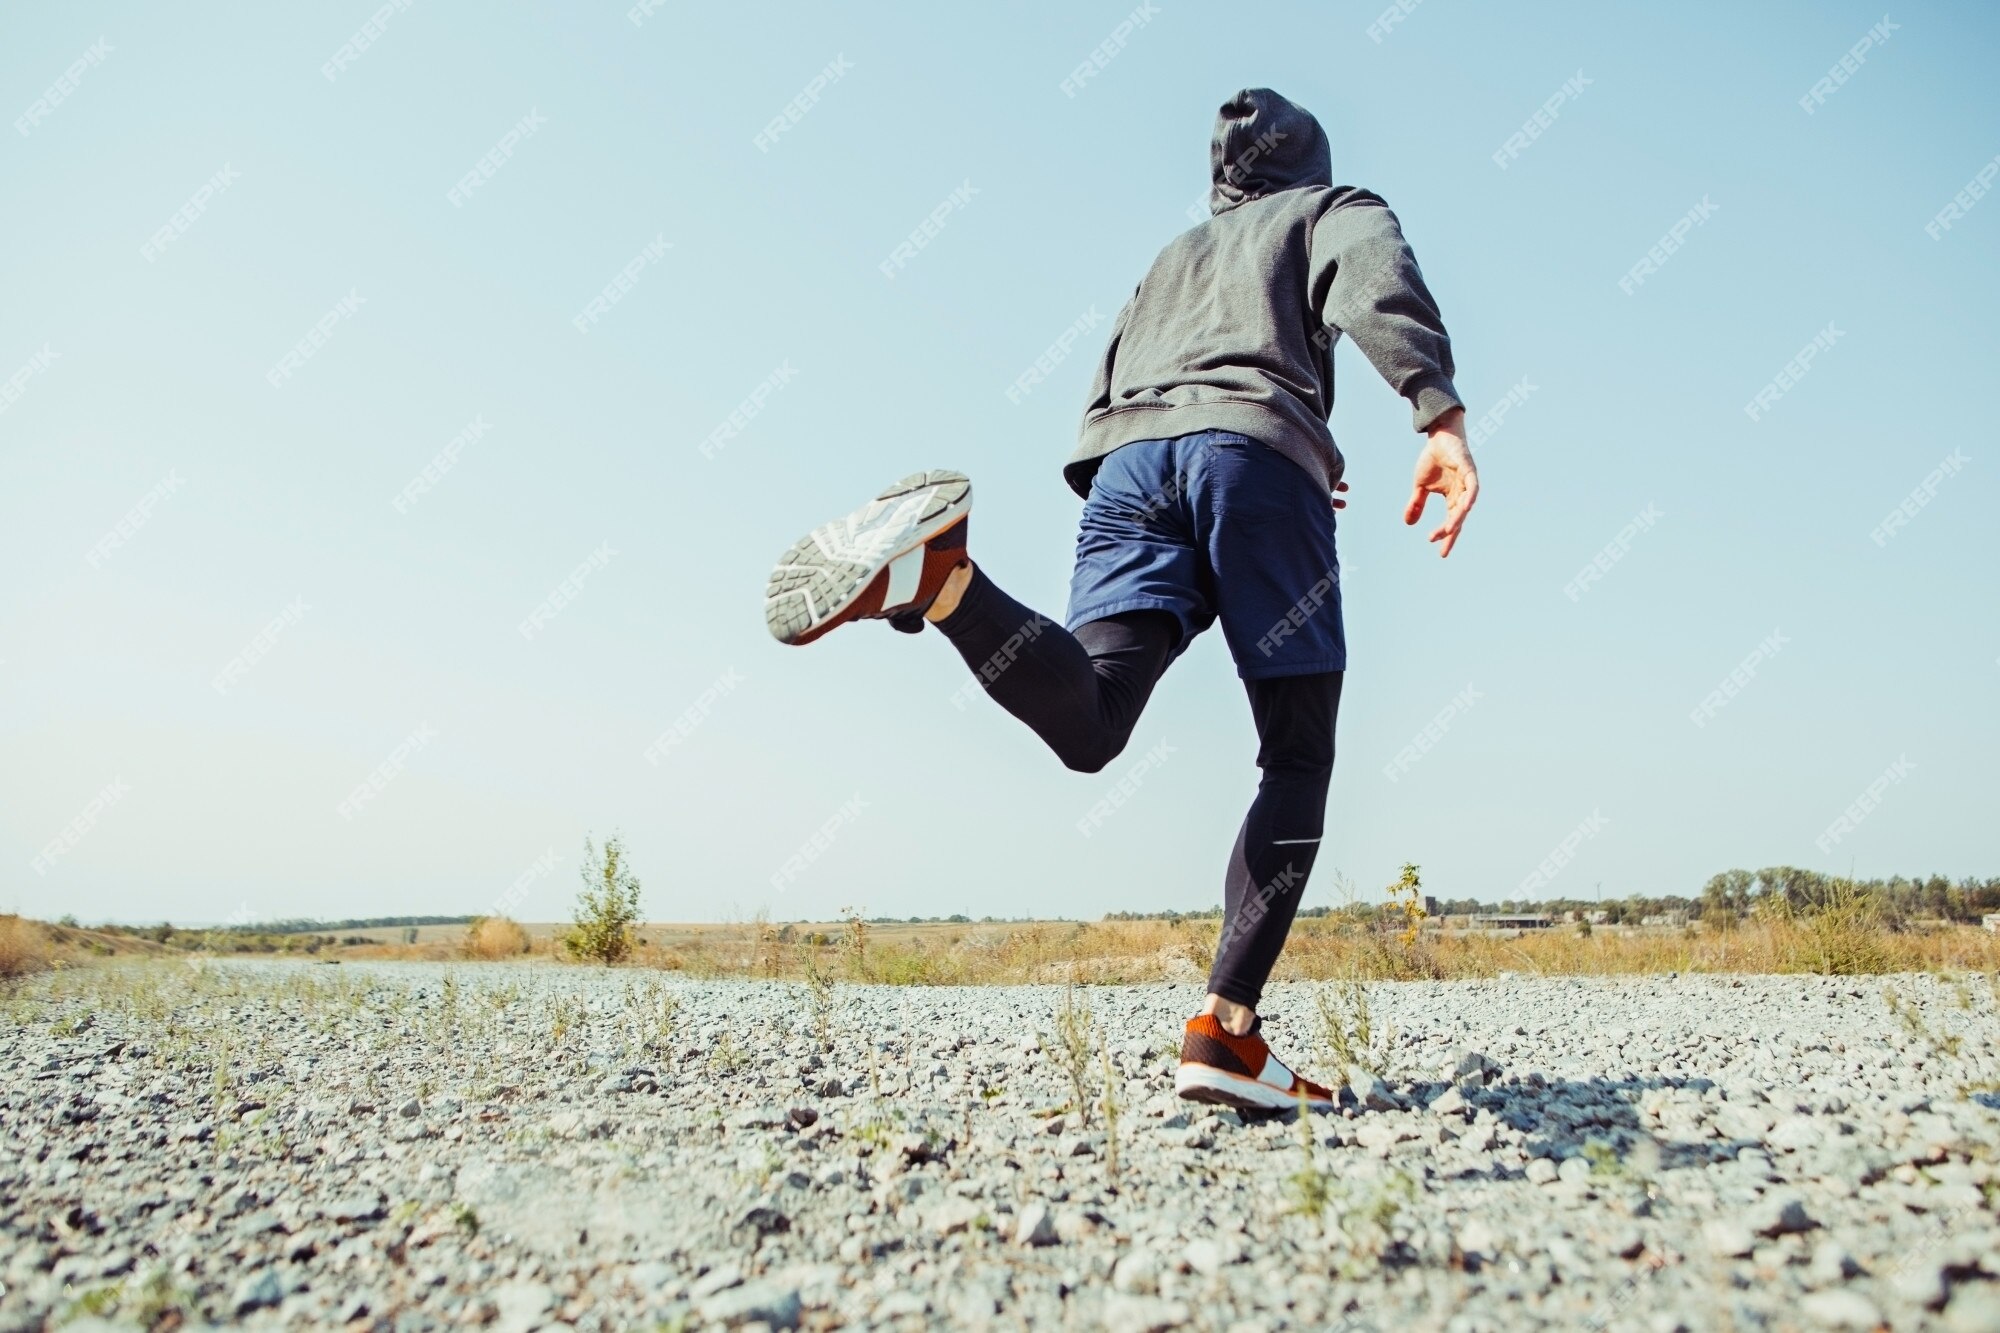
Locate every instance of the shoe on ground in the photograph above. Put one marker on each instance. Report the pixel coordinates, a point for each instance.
(1240, 1071)
(887, 559)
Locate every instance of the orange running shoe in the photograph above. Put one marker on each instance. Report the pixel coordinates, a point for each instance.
(1240, 1071)
(887, 559)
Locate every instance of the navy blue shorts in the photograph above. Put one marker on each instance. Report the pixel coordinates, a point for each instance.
(1215, 525)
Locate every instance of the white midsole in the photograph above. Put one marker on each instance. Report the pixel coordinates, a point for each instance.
(1236, 1086)
(880, 538)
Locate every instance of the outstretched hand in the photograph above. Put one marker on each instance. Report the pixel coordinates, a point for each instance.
(1445, 468)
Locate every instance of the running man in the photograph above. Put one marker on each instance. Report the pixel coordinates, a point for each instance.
(1210, 482)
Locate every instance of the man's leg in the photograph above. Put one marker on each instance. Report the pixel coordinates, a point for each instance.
(901, 557)
(1280, 836)
(1270, 544)
(1224, 1057)
(1081, 693)
(1134, 603)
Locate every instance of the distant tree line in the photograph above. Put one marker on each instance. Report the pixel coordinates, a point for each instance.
(223, 939)
(1729, 896)
(296, 936)
(166, 930)
(1737, 893)
(956, 919)
(1617, 911)
(307, 925)
(1212, 913)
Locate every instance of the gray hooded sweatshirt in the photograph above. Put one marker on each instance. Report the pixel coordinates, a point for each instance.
(1233, 327)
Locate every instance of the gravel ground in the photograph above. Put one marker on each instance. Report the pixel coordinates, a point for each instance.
(528, 1146)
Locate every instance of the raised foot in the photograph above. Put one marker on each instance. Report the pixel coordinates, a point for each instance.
(888, 557)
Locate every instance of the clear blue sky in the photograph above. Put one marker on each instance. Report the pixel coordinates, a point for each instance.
(276, 503)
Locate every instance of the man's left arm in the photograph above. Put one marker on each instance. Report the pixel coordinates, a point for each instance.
(1375, 294)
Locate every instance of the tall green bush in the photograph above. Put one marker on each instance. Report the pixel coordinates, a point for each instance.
(607, 906)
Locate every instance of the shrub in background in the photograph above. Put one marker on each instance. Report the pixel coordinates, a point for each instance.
(607, 907)
(492, 937)
(24, 946)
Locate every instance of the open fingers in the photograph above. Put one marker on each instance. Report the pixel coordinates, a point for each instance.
(1459, 506)
(1448, 531)
(1414, 510)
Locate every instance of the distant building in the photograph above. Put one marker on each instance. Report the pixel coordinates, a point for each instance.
(1990, 921)
(1511, 921)
(1665, 919)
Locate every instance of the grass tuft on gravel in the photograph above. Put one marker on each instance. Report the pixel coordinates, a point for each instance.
(1347, 1030)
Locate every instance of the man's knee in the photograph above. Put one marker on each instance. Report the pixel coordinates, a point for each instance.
(1307, 770)
(1300, 757)
(1090, 754)
(1295, 723)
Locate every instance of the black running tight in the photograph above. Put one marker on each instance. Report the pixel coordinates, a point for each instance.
(1082, 693)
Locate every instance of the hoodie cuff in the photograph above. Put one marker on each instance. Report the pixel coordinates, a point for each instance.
(1432, 396)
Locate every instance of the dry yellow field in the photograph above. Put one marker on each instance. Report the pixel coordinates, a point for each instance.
(992, 953)
(941, 953)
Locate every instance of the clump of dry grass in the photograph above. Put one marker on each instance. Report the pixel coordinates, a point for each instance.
(1075, 1036)
(1843, 935)
(495, 937)
(1348, 1032)
(24, 946)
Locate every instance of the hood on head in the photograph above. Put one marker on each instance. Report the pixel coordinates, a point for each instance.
(1264, 143)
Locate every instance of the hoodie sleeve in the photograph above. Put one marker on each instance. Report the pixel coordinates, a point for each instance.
(1366, 284)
